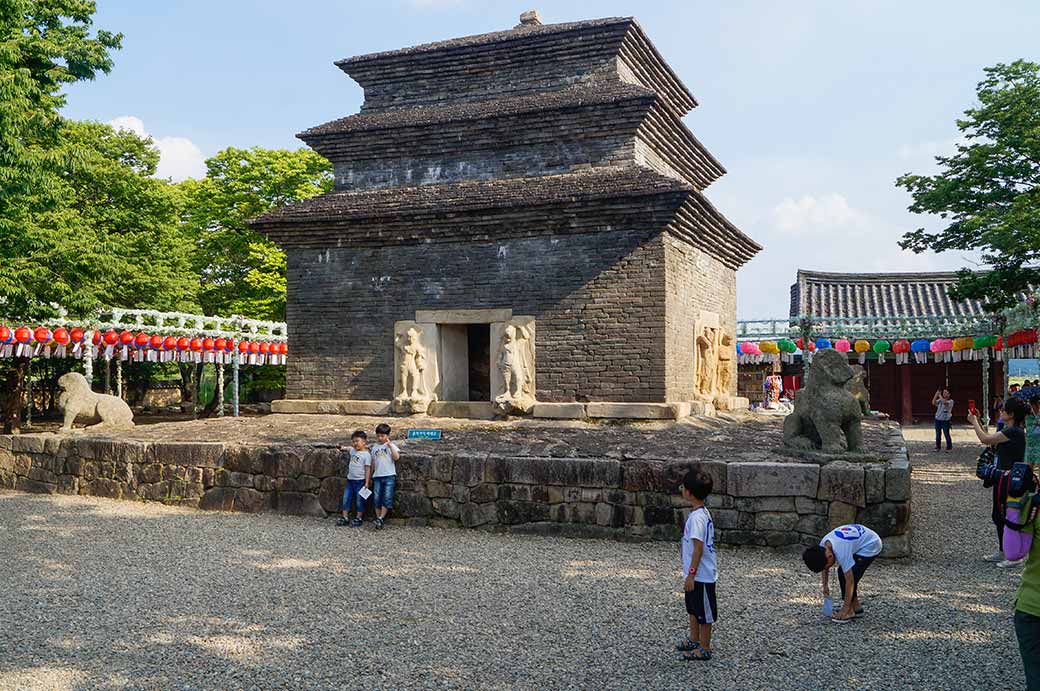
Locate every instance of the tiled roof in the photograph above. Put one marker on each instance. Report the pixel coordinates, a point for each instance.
(846, 295)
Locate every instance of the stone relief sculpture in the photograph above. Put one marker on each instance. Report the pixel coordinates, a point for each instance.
(826, 415)
(77, 401)
(725, 356)
(707, 362)
(858, 388)
(515, 362)
(411, 392)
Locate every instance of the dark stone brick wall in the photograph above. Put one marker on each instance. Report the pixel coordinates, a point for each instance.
(599, 301)
(562, 156)
(695, 281)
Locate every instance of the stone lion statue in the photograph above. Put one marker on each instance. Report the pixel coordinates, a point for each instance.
(78, 401)
(826, 415)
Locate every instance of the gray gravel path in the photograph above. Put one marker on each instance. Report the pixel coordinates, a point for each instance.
(99, 594)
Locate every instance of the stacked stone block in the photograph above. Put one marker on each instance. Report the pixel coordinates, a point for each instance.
(756, 503)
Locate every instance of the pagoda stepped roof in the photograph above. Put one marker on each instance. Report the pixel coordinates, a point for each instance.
(465, 68)
(356, 137)
(574, 97)
(594, 201)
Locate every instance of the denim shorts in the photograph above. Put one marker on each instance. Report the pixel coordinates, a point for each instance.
(350, 495)
(383, 491)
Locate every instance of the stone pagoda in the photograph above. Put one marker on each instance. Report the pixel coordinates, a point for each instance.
(517, 226)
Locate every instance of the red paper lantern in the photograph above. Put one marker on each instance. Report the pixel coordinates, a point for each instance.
(1000, 343)
(901, 346)
(265, 348)
(96, 338)
(42, 334)
(22, 334)
(220, 344)
(126, 338)
(155, 342)
(229, 346)
(195, 344)
(254, 347)
(208, 344)
(169, 343)
(243, 346)
(5, 335)
(283, 348)
(76, 335)
(183, 343)
(141, 340)
(61, 336)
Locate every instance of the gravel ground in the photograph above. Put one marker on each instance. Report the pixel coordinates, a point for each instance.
(99, 594)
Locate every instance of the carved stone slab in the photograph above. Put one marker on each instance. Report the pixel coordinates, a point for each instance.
(416, 374)
(513, 386)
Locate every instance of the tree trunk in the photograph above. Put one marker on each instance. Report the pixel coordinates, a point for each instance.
(11, 404)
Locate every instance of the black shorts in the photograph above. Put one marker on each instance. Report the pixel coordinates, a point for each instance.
(700, 603)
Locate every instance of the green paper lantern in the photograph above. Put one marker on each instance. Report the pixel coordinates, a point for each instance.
(786, 345)
(882, 346)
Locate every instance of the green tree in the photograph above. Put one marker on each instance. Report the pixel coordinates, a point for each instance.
(241, 271)
(989, 191)
(44, 46)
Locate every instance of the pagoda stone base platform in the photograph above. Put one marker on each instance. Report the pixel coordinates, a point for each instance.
(616, 481)
(481, 410)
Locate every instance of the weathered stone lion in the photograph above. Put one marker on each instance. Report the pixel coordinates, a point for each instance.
(78, 401)
(826, 415)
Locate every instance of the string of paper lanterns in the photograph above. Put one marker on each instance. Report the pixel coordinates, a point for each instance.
(1021, 344)
(138, 346)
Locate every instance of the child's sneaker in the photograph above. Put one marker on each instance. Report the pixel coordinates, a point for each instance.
(342, 521)
(356, 523)
(994, 558)
(378, 523)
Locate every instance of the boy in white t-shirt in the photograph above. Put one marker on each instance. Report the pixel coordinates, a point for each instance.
(385, 455)
(852, 547)
(359, 475)
(700, 569)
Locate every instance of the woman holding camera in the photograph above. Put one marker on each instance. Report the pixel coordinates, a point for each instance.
(1010, 446)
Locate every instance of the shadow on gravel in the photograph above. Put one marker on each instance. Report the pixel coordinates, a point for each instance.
(113, 595)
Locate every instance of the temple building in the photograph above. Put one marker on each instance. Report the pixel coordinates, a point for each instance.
(518, 225)
(904, 305)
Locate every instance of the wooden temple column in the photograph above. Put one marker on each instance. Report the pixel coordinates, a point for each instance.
(906, 405)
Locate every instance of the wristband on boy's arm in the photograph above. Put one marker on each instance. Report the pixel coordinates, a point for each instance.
(693, 571)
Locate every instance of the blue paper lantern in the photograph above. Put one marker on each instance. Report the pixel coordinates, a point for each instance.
(921, 345)
(823, 343)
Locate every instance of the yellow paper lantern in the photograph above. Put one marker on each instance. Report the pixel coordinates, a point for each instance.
(769, 347)
(963, 343)
(862, 346)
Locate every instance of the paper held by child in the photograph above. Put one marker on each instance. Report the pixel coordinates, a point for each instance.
(364, 493)
(828, 607)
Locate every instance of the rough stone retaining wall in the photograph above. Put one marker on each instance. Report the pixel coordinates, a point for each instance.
(757, 503)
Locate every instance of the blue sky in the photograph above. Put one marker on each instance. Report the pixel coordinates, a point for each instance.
(814, 107)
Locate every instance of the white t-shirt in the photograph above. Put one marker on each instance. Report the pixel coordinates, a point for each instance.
(944, 409)
(383, 459)
(699, 526)
(847, 540)
(358, 461)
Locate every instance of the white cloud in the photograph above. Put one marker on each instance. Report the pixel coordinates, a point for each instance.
(811, 214)
(179, 158)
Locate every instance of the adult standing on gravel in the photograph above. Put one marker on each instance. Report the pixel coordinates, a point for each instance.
(943, 403)
(1010, 443)
(1022, 539)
